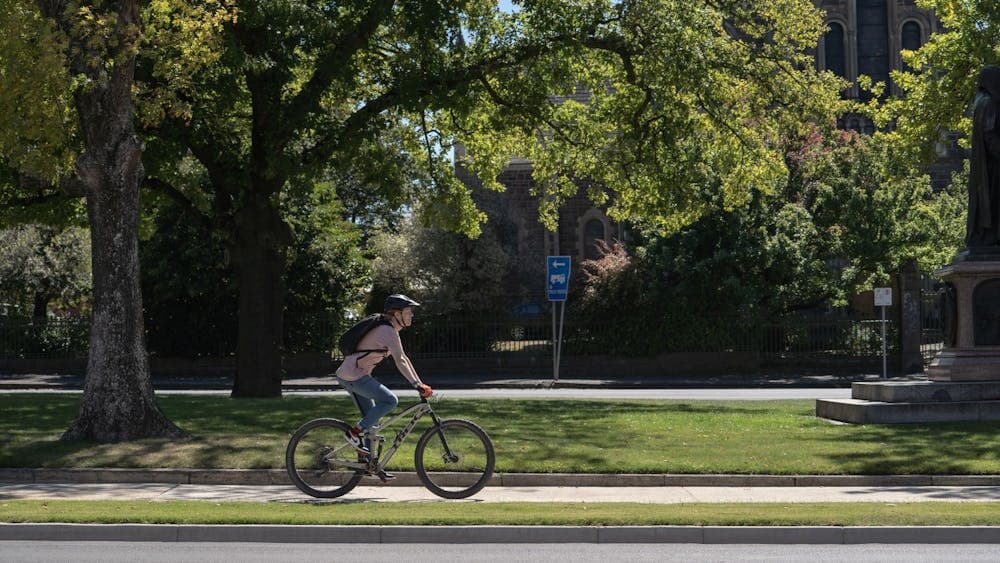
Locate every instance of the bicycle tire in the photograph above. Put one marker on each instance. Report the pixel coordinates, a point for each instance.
(311, 454)
(467, 472)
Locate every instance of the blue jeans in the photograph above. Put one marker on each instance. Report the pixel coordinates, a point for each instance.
(373, 399)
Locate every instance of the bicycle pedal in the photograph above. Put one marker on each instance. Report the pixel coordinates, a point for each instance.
(381, 476)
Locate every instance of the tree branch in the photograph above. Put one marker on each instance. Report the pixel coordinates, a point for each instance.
(185, 203)
(69, 186)
(332, 66)
(415, 86)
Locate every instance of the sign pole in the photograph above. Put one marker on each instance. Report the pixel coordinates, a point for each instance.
(555, 347)
(562, 317)
(557, 284)
(885, 373)
(883, 299)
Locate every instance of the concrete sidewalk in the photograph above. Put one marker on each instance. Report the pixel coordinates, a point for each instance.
(369, 491)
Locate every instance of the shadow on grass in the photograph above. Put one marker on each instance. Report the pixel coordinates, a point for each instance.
(529, 435)
(991, 494)
(913, 449)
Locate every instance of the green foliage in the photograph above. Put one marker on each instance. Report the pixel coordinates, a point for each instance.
(942, 81)
(676, 90)
(38, 128)
(188, 291)
(327, 274)
(447, 271)
(682, 97)
(42, 265)
(840, 222)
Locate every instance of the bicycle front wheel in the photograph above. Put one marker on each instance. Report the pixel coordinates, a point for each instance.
(319, 462)
(455, 459)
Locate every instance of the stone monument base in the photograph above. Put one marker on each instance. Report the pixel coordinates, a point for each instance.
(981, 363)
(914, 401)
(972, 325)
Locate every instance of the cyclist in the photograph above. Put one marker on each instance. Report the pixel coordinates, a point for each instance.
(375, 400)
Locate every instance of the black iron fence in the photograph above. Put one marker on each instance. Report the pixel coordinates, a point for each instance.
(26, 337)
(931, 325)
(788, 340)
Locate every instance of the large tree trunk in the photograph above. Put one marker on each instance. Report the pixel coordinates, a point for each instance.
(261, 249)
(118, 401)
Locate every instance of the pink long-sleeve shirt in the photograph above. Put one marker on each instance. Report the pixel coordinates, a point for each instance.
(384, 339)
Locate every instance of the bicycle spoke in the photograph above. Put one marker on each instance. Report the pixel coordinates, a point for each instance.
(455, 459)
(319, 462)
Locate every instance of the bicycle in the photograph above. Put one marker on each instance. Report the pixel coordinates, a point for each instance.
(454, 458)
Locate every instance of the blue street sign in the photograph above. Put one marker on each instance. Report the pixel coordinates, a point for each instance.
(557, 277)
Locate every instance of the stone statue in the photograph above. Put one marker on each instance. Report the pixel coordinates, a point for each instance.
(983, 222)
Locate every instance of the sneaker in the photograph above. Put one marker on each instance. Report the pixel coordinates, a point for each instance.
(382, 475)
(355, 441)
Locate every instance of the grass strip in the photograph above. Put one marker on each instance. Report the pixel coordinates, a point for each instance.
(543, 435)
(511, 514)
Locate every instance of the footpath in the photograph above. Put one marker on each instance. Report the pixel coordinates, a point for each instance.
(328, 383)
(272, 486)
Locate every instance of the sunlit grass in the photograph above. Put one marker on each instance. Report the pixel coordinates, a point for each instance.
(589, 436)
(344, 512)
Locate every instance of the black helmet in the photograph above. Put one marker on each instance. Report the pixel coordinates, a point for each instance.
(399, 301)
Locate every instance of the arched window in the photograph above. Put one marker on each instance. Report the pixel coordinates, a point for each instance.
(593, 231)
(910, 39)
(911, 36)
(834, 50)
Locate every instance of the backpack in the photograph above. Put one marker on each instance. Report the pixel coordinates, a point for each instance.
(348, 342)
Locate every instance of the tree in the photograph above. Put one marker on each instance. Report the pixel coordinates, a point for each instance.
(841, 220)
(940, 81)
(677, 89)
(93, 152)
(40, 264)
(327, 272)
(446, 271)
(189, 296)
(189, 290)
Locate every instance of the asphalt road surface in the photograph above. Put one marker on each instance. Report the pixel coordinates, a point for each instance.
(112, 552)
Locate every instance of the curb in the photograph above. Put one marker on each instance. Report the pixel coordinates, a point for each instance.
(409, 478)
(500, 534)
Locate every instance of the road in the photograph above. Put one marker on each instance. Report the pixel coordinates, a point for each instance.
(111, 552)
(701, 394)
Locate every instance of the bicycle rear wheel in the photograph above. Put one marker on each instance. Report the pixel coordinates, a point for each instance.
(455, 459)
(319, 462)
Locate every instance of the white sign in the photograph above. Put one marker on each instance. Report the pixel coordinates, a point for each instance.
(883, 296)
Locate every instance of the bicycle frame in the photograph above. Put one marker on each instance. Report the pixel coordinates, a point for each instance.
(377, 460)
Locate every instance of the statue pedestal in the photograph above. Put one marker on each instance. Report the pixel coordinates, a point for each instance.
(964, 377)
(973, 354)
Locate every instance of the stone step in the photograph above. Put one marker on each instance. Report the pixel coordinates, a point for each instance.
(859, 411)
(926, 391)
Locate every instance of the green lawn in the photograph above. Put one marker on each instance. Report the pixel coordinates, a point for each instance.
(471, 513)
(748, 437)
